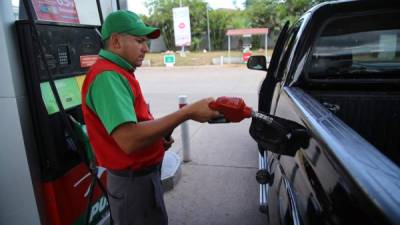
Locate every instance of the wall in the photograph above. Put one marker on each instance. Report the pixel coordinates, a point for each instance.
(17, 196)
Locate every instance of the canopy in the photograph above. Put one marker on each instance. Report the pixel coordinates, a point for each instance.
(244, 32)
(247, 31)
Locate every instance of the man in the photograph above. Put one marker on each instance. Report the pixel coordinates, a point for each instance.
(125, 137)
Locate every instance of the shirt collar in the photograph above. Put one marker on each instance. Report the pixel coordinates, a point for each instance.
(116, 59)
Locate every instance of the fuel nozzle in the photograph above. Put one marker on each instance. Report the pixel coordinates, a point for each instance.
(232, 109)
(283, 136)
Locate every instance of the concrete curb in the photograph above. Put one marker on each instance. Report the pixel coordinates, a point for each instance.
(192, 67)
(170, 170)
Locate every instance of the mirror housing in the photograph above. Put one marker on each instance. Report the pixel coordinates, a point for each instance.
(257, 62)
(279, 135)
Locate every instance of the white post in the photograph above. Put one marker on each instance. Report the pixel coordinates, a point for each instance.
(185, 132)
(229, 49)
(208, 30)
(222, 60)
(182, 54)
(266, 45)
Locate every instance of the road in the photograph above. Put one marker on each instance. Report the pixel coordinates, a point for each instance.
(218, 186)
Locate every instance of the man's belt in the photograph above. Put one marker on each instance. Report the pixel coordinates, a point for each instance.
(136, 173)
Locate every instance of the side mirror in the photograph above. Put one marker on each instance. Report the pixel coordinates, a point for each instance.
(257, 62)
(279, 135)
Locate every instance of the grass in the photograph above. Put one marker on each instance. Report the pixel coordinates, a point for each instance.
(195, 58)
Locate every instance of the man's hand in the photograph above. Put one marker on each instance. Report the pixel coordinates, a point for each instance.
(168, 143)
(200, 111)
(131, 137)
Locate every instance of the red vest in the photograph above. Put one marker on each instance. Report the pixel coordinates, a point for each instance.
(107, 151)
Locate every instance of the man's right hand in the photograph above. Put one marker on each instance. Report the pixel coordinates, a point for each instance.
(200, 112)
(131, 137)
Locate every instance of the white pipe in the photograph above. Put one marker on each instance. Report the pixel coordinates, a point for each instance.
(266, 46)
(185, 132)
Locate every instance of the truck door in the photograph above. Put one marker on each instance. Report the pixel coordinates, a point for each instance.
(267, 87)
(282, 201)
(284, 63)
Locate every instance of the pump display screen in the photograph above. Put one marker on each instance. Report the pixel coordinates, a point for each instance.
(68, 91)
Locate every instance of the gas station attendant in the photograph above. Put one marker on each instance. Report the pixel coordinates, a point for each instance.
(126, 139)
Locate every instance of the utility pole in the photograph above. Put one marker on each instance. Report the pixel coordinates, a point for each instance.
(183, 46)
(208, 29)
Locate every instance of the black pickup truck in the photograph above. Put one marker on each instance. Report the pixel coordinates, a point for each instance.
(330, 153)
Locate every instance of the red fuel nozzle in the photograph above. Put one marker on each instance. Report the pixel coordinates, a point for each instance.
(233, 109)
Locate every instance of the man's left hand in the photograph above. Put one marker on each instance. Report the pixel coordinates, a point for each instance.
(168, 143)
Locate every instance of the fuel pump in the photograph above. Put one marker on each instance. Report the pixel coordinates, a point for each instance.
(55, 58)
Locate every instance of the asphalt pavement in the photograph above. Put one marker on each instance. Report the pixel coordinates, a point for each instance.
(218, 186)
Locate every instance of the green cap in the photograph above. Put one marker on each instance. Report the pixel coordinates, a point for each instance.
(124, 21)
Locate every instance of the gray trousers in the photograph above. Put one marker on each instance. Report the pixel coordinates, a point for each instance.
(136, 199)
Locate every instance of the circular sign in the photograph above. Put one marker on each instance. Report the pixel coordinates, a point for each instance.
(246, 56)
(181, 25)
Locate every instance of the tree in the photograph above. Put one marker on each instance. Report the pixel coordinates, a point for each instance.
(274, 13)
(198, 21)
(263, 13)
(161, 16)
(258, 13)
(219, 21)
(248, 3)
(238, 19)
(291, 10)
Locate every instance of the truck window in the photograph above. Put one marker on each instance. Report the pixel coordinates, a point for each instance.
(287, 49)
(357, 47)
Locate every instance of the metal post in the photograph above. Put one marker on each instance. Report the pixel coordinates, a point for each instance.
(123, 4)
(183, 46)
(208, 30)
(185, 132)
(100, 11)
(266, 45)
(118, 5)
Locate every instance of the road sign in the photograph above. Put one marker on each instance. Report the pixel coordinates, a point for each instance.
(246, 56)
(169, 60)
(182, 26)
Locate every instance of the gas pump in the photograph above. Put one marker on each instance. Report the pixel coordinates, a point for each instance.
(56, 57)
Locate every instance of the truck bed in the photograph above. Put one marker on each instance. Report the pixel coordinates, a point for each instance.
(374, 115)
